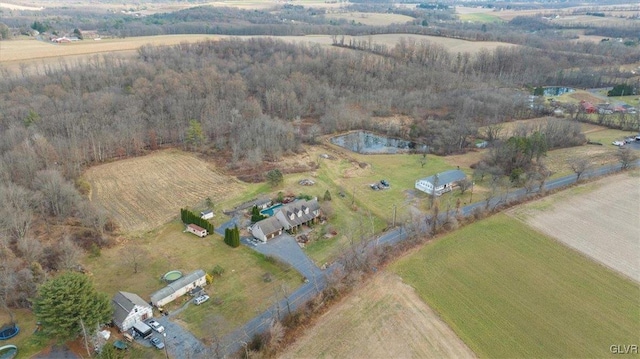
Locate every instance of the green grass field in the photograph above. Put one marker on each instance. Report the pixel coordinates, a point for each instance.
(509, 291)
(480, 17)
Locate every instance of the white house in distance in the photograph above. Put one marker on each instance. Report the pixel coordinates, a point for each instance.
(179, 288)
(129, 309)
(197, 230)
(289, 217)
(440, 182)
(208, 214)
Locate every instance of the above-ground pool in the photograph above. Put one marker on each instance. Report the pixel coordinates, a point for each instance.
(172, 276)
(9, 331)
(8, 351)
(269, 211)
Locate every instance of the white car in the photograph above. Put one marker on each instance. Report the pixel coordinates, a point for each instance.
(618, 143)
(201, 299)
(156, 326)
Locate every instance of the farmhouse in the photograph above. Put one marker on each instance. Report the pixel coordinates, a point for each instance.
(289, 217)
(197, 230)
(178, 288)
(208, 214)
(440, 182)
(267, 228)
(129, 309)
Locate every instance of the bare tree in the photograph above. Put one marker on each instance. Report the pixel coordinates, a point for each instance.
(464, 185)
(15, 213)
(30, 248)
(626, 157)
(579, 165)
(67, 253)
(134, 256)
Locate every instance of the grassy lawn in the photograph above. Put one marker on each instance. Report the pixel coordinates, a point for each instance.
(509, 291)
(239, 288)
(480, 17)
(27, 343)
(371, 18)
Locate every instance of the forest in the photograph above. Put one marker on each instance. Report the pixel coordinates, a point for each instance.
(246, 102)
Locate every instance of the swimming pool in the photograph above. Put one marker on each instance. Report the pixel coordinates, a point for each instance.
(269, 211)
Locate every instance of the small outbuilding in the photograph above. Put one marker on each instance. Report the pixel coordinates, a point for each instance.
(197, 230)
(208, 214)
(129, 309)
(179, 288)
(440, 182)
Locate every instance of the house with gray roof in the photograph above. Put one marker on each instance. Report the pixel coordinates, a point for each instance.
(289, 217)
(180, 287)
(266, 229)
(129, 309)
(440, 182)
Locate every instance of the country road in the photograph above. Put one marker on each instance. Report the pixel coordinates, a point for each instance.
(317, 278)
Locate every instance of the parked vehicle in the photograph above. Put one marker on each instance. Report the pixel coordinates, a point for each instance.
(629, 140)
(155, 326)
(201, 299)
(618, 143)
(142, 330)
(156, 342)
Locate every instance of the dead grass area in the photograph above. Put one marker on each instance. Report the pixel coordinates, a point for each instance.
(372, 19)
(558, 161)
(598, 219)
(584, 96)
(383, 319)
(145, 192)
(465, 160)
(20, 7)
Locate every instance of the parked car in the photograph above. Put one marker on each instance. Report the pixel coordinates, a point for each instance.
(629, 140)
(638, 138)
(618, 143)
(156, 342)
(155, 326)
(201, 299)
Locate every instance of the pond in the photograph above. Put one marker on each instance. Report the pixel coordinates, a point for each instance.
(369, 143)
(557, 90)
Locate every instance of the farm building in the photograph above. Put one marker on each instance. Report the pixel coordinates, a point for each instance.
(289, 217)
(206, 214)
(178, 288)
(129, 309)
(588, 107)
(267, 228)
(197, 230)
(440, 182)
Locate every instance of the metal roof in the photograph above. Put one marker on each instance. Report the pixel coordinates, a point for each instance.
(178, 284)
(123, 303)
(446, 177)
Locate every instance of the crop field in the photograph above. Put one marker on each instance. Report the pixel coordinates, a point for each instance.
(599, 219)
(241, 290)
(510, 291)
(372, 19)
(480, 17)
(19, 7)
(145, 192)
(383, 319)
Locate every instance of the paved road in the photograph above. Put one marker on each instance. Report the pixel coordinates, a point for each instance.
(317, 279)
(179, 342)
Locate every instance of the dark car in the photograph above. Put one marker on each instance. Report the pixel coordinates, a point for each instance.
(157, 343)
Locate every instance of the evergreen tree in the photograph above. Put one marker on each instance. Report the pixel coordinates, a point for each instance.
(68, 300)
(255, 215)
(327, 195)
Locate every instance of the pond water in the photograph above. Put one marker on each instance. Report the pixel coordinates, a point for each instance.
(557, 91)
(370, 143)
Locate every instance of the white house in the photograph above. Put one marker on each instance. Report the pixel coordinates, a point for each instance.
(208, 214)
(266, 229)
(179, 288)
(440, 182)
(129, 309)
(197, 230)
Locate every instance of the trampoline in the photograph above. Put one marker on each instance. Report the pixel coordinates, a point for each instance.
(9, 331)
(172, 276)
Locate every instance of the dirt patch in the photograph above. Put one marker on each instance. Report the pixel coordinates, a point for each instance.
(600, 221)
(144, 192)
(582, 96)
(384, 319)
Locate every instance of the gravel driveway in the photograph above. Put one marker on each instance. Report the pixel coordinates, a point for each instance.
(286, 249)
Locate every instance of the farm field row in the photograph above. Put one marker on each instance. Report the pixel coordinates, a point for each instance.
(599, 219)
(510, 291)
(385, 318)
(372, 19)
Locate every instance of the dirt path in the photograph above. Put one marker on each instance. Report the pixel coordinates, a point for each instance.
(384, 319)
(601, 221)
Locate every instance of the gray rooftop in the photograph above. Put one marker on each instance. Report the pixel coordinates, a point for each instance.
(123, 303)
(446, 177)
(299, 207)
(269, 225)
(174, 286)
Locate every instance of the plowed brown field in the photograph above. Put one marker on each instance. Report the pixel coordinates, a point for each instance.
(598, 219)
(144, 192)
(384, 319)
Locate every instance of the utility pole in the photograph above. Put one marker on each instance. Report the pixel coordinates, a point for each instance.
(394, 216)
(471, 198)
(164, 341)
